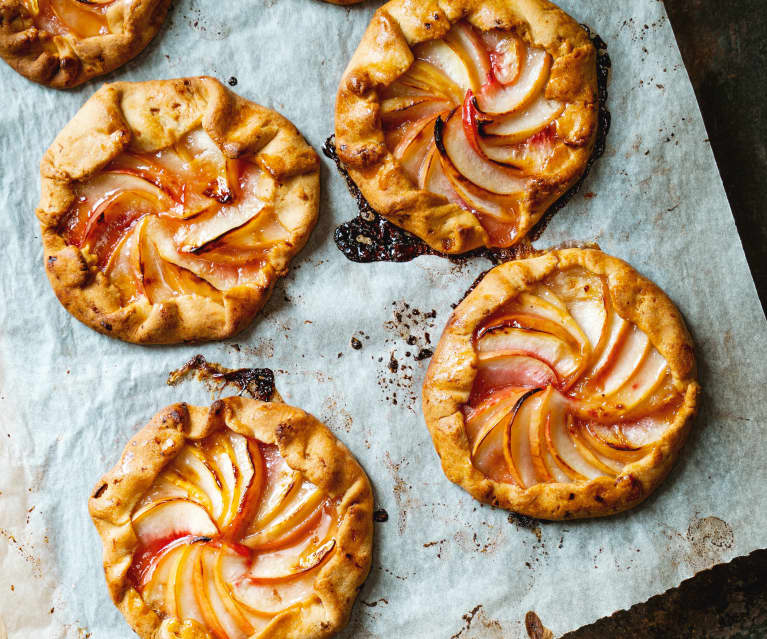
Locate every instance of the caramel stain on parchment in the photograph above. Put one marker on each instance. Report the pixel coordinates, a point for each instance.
(402, 494)
(257, 383)
(478, 625)
(336, 416)
(411, 332)
(25, 552)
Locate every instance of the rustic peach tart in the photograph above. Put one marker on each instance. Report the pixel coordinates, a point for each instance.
(463, 121)
(63, 43)
(246, 519)
(170, 208)
(563, 386)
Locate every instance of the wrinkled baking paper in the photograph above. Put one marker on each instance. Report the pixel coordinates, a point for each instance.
(443, 566)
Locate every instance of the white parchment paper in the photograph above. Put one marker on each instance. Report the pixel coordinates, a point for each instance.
(444, 566)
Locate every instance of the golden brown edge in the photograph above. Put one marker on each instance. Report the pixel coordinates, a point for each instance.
(77, 60)
(306, 444)
(149, 116)
(453, 368)
(384, 54)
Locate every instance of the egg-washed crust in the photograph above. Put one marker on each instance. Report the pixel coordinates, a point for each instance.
(146, 117)
(67, 61)
(385, 53)
(306, 445)
(453, 368)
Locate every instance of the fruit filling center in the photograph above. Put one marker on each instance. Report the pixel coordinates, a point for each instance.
(185, 220)
(469, 120)
(566, 389)
(230, 536)
(81, 18)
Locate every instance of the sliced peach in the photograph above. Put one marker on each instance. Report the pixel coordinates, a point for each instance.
(427, 78)
(206, 228)
(558, 354)
(499, 369)
(75, 17)
(281, 530)
(204, 599)
(194, 492)
(467, 45)
(432, 178)
(546, 468)
(410, 109)
(310, 562)
(172, 518)
(184, 588)
(501, 208)
(507, 54)
(534, 305)
(607, 466)
(194, 465)
(286, 491)
(500, 99)
(452, 141)
(632, 354)
(415, 144)
(561, 445)
(154, 588)
(609, 442)
(516, 439)
(442, 56)
(489, 458)
(223, 592)
(520, 125)
(482, 419)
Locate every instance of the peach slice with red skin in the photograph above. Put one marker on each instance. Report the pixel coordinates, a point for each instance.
(516, 439)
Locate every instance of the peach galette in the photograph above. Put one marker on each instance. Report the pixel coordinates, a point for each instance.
(464, 121)
(247, 519)
(563, 386)
(170, 208)
(63, 43)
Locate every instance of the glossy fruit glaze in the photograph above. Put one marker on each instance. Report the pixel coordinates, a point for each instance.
(469, 120)
(566, 389)
(81, 18)
(229, 536)
(182, 221)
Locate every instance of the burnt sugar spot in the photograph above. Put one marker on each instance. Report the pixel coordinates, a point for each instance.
(478, 625)
(410, 333)
(258, 383)
(371, 238)
(381, 515)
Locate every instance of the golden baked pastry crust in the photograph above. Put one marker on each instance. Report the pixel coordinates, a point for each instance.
(307, 446)
(453, 369)
(145, 117)
(384, 55)
(65, 61)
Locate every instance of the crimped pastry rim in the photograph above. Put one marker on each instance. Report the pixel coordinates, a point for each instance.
(305, 443)
(77, 59)
(395, 28)
(126, 113)
(452, 370)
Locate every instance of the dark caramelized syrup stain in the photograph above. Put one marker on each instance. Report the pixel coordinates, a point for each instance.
(256, 382)
(371, 238)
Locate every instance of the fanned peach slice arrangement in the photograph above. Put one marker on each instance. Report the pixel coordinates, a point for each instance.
(244, 520)
(63, 43)
(464, 125)
(563, 386)
(181, 236)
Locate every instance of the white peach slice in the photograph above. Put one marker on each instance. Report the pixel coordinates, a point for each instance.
(482, 419)
(543, 346)
(501, 99)
(561, 445)
(501, 208)
(442, 56)
(498, 370)
(398, 110)
(546, 467)
(432, 178)
(286, 528)
(534, 305)
(516, 439)
(172, 519)
(425, 77)
(415, 144)
(628, 359)
(482, 172)
(520, 125)
(184, 589)
(467, 45)
(506, 55)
